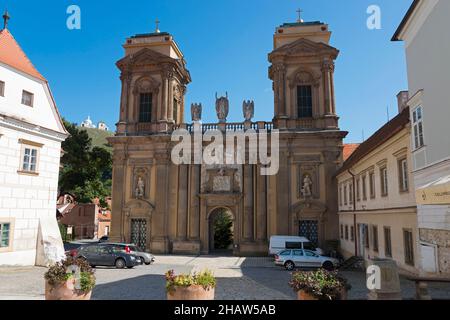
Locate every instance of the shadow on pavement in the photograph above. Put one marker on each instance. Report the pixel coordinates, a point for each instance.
(147, 287)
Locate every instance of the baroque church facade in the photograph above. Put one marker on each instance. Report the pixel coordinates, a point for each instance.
(169, 208)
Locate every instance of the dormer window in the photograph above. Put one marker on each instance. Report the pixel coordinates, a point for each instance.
(145, 107)
(304, 101)
(27, 98)
(2, 89)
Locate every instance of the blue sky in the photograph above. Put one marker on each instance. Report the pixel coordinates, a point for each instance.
(225, 45)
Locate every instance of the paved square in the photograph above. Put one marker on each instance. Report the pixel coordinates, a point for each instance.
(237, 279)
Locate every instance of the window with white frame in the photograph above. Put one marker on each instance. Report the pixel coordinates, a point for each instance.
(358, 192)
(364, 187)
(384, 181)
(418, 128)
(403, 175)
(350, 193)
(29, 162)
(345, 195)
(372, 184)
(29, 157)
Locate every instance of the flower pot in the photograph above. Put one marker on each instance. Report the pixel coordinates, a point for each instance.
(65, 291)
(194, 292)
(303, 295)
(342, 294)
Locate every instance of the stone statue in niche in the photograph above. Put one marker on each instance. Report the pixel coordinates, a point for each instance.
(248, 108)
(140, 188)
(307, 186)
(222, 108)
(196, 111)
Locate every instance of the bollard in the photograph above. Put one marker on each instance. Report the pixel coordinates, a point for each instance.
(389, 282)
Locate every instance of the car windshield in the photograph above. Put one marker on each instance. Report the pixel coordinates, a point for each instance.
(135, 248)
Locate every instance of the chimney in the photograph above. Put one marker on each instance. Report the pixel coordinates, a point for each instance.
(402, 99)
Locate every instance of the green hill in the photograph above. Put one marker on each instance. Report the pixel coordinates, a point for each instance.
(99, 137)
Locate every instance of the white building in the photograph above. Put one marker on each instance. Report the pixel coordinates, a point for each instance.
(87, 123)
(102, 126)
(31, 132)
(424, 31)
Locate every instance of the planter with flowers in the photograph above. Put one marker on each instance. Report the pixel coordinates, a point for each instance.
(319, 285)
(194, 286)
(70, 279)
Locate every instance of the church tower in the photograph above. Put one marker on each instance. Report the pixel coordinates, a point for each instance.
(302, 67)
(154, 79)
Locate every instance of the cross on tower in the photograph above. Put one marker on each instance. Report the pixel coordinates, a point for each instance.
(299, 11)
(6, 17)
(157, 25)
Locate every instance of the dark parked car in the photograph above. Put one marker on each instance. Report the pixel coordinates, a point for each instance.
(145, 257)
(107, 255)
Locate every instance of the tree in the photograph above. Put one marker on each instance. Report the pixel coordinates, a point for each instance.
(223, 234)
(86, 171)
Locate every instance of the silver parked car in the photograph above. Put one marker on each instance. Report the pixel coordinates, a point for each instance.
(293, 258)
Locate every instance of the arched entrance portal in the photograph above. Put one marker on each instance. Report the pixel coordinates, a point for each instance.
(221, 231)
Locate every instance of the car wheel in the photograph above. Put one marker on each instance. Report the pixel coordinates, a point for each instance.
(142, 260)
(120, 263)
(328, 265)
(130, 267)
(289, 265)
(148, 263)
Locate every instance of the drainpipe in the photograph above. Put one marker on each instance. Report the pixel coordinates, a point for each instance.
(354, 209)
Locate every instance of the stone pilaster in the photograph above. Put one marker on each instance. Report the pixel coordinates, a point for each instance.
(280, 90)
(248, 203)
(160, 243)
(194, 210)
(327, 71)
(261, 206)
(182, 202)
(173, 201)
(118, 199)
(283, 194)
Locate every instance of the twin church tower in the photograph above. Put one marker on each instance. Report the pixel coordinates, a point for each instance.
(168, 208)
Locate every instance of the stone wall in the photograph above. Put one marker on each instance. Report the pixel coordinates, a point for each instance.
(440, 238)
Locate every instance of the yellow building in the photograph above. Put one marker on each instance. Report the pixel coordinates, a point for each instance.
(172, 208)
(377, 209)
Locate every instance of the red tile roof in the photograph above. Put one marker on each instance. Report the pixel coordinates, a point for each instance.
(104, 217)
(12, 55)
(349, 148)
(386, 132)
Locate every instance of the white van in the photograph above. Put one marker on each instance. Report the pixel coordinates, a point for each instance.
(278, 243)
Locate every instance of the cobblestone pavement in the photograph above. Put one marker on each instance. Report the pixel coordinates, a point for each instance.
(237, 279)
